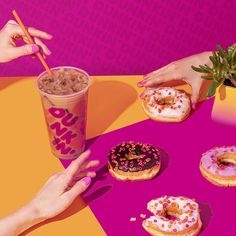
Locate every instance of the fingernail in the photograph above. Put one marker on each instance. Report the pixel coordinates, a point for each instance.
(88, 150)
(35, 48)
(142, 83)
(49, 52)
(194, 106)
(142, 95)
(87, 180)
(44, 56)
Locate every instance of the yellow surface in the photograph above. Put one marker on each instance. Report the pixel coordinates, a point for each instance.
(26, 160)
(224, 109)
(114, 103)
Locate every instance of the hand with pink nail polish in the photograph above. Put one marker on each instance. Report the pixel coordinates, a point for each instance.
(180, 70)
(55, 196)
(11, 33)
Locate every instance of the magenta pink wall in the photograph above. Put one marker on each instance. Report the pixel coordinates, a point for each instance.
(122, 36)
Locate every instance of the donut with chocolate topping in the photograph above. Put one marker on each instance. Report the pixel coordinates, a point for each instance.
(166, 104)
(134, 161)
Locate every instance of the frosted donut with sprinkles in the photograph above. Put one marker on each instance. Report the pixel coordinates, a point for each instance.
(166, 104)
(218, 165)
(173, 216)
(134, 161)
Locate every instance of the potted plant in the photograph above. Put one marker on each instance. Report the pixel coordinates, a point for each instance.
(223, 86)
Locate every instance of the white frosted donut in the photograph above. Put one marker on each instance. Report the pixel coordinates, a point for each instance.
(218, 165)
(166, 104)
(187, 220)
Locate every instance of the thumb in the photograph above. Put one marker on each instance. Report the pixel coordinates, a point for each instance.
(77, 189)
(27, 49)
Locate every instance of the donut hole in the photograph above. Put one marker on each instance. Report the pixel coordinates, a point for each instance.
(131, 156)
(171, 216)
(227, 159)
(172, 212)
(165, 101)
(134, 153)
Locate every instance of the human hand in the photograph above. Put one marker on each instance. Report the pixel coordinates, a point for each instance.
(12, 32)
(62, 188)
(180, 70)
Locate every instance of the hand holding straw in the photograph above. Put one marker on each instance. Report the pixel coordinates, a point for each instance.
(39, 55)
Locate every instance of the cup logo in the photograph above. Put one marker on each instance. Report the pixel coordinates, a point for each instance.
(63, 135)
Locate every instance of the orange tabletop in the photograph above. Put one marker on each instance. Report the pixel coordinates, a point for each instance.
(25, 153)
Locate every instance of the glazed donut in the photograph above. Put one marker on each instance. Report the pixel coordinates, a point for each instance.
(166, 104)
(134, 161)
(185, 212)
(218, 165)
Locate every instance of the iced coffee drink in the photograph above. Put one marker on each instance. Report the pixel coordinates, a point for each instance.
(64, 99)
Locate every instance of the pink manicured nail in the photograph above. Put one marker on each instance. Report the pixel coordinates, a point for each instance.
(87, 180)
(49, 52)
(141, 95)
(35, 48)
(142, 83)
(194, 106)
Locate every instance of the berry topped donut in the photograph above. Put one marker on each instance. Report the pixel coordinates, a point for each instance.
(134, 161)
(173, 216)
(218, 165)
(166, 104)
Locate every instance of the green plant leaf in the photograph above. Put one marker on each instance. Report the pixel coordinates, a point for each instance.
(205, 69)
(223, 67)
(220, 51)
(212, 90)
(207, 77)
(234, 56)
(214, 61)
(196, 69)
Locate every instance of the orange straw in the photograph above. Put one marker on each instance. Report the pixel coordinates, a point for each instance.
(39, 55)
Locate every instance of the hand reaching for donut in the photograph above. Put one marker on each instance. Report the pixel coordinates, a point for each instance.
(12, 32)
(62, 188)
(180, 70)
(56, 195)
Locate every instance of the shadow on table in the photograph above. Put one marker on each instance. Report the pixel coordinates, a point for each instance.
(101, 175)
(107, 101)
(206, 215)
(76, 206)
(164, 161)
(5, 81)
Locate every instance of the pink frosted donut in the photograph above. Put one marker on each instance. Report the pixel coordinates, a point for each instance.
(218, 165)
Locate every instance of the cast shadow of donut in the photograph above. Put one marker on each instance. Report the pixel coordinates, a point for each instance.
(164, 161)
(107, 101)
(206, 215)
(101, 176)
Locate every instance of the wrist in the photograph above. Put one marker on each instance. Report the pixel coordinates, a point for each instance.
(34, 212)
(20, 220)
